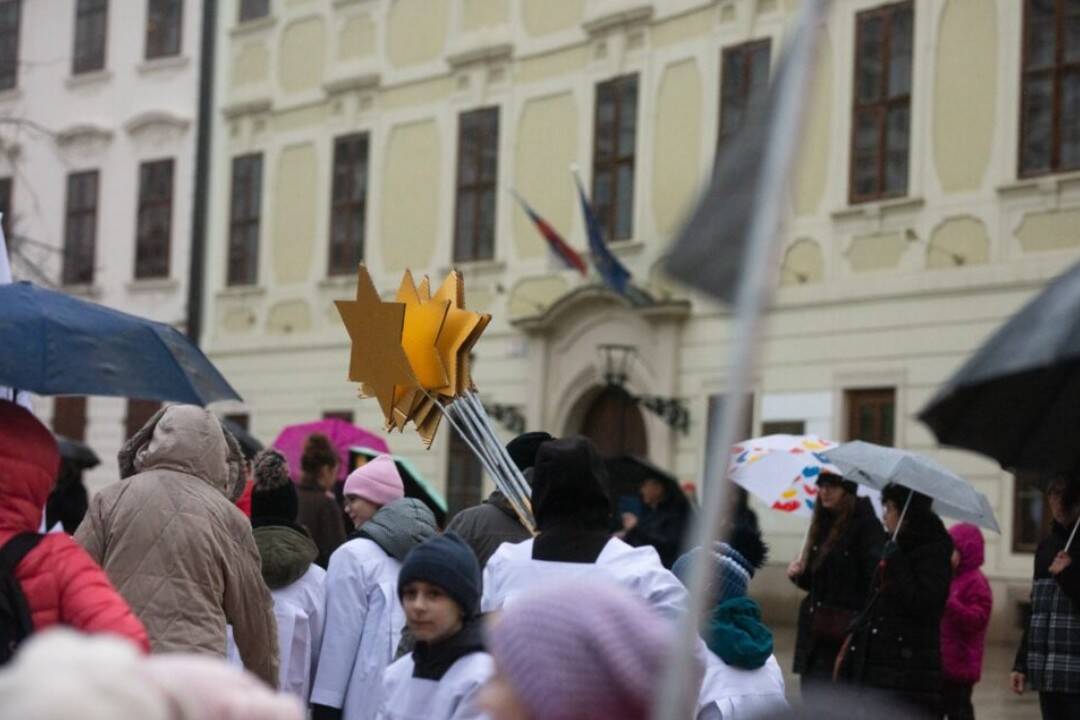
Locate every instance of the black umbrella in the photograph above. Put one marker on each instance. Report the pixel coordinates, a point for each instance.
(1017, 399)
(77, 453)
(249, 444)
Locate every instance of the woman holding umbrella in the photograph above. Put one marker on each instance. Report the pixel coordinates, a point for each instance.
(845, 542)
(1048, 660)
(895, 648)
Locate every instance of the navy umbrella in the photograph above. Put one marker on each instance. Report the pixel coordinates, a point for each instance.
(55, 344)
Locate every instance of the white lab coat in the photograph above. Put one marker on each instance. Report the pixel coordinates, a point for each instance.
(362, 629)
(512, 573)
(299, 610)
(410, 698)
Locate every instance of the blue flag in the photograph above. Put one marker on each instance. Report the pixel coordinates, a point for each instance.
(614, 273)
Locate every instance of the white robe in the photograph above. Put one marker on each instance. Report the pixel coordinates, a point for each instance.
(298, 609)
(409, 698)
(362, 629)
(512, 573)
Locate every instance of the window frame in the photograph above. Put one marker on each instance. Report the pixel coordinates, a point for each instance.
(152, 38)
(146, 207)
(97, 62)
(854, 398)
(746, 49)
(1026, 484)
(13, 46)
(484, 120)
(69, 412)
(69, 274)
(249, 224)
(883, 104)
(1056, 70)
(252, 14)
(342, 210)
(608, 220)
(137, 412)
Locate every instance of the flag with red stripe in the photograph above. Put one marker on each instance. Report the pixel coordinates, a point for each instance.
(555, 241)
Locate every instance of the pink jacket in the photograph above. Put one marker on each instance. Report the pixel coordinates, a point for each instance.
(967, 613)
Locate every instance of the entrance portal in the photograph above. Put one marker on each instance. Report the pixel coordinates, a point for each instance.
(614, 423)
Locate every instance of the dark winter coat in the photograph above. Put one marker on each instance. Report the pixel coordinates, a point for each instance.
(1049, 652)
(896, 645)
(841, 580)
(662, 527)
(320, 514)
(967, 612)
(286, 552)
(487, 526)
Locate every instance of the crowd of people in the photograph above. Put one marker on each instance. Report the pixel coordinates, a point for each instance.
(183, 605)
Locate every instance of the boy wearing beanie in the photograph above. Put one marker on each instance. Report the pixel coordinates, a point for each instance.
(439, 589)
(369, 487)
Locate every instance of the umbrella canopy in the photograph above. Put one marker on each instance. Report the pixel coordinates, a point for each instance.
(77, 453)
(877, 466)
(781, 470)
(249, 444)
(1017, 399)
(56, 344)
(343, 435)
(415, 484)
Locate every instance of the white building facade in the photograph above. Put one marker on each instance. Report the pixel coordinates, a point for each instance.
(98, 105)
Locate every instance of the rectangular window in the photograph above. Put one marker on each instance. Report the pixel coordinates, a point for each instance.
(1031, 513)
(240, 420)
(614, 140)
(69, 417)
(9, 43)
(253, 9)
(348, 210)
(477, 177)
(154, 221)
(139, 413)
(881, 114)
(1050, 87)
(464, 476)
(783, 427)
(80, 230)
(343, 415)
(164, 19)
(871, 415)
(6, 208)
(246, 201)
(91, 19)
(744, 85)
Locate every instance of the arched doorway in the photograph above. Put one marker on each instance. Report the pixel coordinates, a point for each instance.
(613, 421)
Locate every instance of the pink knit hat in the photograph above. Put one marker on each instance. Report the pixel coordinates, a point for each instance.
(377, 481)
(582, 650)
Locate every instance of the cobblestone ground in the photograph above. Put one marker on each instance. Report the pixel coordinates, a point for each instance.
(993, 700)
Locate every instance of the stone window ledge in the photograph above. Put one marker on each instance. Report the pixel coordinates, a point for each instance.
(173, 62)
(158, 284)
(241, 291)
(251, 27)
(475, 267)
(1041, 184)
(875, 209)
(91, 291)
(85, 79)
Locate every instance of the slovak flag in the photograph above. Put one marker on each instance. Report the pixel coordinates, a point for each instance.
(555, 241)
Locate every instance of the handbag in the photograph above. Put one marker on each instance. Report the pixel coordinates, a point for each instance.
(831, 624)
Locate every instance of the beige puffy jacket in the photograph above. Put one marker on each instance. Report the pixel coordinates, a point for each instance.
(177, 549)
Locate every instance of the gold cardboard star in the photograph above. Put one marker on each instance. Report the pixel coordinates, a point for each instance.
(378, 359)
(465, 361)
(423, 324)
(459, 328)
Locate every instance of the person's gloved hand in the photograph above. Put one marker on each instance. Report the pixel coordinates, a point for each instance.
(890, 549)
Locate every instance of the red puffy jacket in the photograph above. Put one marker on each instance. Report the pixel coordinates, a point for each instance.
(62, 584)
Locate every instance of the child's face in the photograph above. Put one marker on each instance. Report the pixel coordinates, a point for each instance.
(359, 510)
(430, 613)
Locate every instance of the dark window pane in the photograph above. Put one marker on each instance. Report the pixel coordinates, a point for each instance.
(80, 232)
(139, 413)
(254, 9)
(869, 58)
(614, 146)
(163, 25)
(154, 220)
(871, 415)
(745, 83)
(69, 417)
(90, 32)
(7, 221)
(1070, 120)
(9, 43)
(477, 176)
(1041, 43)
(1037, 123)
(900, 53)
(349, 207)
(624, 203)
(243, 252)
(464, 476)
(866, 152)
(896, 157)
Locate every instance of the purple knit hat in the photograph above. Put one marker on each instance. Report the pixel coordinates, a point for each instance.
(582, 650)
(377, 481)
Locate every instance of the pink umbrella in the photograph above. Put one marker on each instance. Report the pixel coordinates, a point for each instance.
(290, 441)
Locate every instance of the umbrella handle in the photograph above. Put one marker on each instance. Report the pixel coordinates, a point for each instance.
(904, 512)
(1072, 535)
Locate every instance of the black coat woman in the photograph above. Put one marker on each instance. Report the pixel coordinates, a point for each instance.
(895, 651)
(844, 547)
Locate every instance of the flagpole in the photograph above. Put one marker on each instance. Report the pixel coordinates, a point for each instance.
(677, 699)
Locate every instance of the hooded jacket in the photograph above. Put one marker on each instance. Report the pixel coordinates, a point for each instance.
(487, 526)
(363, 615)
(62, 585)
(179, 551)
(967, 612)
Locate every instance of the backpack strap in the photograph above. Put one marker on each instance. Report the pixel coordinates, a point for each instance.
(16, 549)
